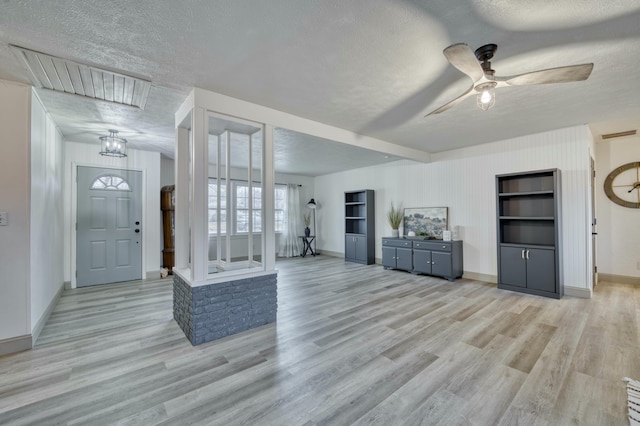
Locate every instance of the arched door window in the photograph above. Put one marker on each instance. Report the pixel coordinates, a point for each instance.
(111, 182)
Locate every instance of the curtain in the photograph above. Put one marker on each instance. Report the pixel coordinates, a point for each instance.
(289, 241)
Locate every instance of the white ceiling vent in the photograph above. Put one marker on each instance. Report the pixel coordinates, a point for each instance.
(67, 76)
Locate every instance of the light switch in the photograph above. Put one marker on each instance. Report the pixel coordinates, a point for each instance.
(4, 218)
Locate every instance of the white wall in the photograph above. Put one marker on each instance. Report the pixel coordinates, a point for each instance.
(167, 171)
(82, 154)
(618, 251)
(15, 115)
(46, 211)
(464, 181)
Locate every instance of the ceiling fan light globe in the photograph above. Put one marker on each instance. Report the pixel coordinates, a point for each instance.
(486, 98)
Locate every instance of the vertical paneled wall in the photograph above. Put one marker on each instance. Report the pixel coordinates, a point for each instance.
(464, 181)
(46, 263)
(14, 187)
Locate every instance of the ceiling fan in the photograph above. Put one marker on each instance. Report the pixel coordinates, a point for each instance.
(477, 66)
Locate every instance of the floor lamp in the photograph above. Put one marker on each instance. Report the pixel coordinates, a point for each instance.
(312, 205)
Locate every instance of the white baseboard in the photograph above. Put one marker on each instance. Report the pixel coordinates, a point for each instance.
(35, 333)
(622, 279)
(16, 344)
(334, 254)
(153, 275)
(582, 293)
(476, 276)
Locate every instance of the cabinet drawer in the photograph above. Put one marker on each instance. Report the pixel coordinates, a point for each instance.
(391, 242)
(426, 245)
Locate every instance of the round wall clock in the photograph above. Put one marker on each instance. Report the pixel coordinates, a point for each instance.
(622, 186)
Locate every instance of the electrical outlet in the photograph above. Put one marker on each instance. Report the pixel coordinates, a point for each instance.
(4, 218)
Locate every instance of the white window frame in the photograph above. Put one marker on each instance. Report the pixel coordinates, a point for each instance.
(234, 207)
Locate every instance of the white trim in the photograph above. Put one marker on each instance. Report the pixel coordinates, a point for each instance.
(239, 108)
(227, 276)
(181, 217)
(621, 279)
(45, 316)
(28, 202)
(476, 276)
(74, 214)
(199, 195)
(583, 293)
(16, 344)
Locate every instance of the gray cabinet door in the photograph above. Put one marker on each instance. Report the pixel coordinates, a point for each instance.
(541, 270)
(349, 247)
(441, 263)
(361, 249)
(422, 261)
(389, 257)
(513, 269)
(403, 259)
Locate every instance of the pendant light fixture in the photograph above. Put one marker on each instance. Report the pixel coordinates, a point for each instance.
(112, 145)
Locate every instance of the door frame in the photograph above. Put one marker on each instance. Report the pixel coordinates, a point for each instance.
(74, 214)
(593, 241)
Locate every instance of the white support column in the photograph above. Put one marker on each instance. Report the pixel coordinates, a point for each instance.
(269, 240)
(181, 213)
(199, 196)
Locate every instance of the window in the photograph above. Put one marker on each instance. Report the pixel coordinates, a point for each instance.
(240, 209)
(280, 207)
(110, 183)
(213, 198)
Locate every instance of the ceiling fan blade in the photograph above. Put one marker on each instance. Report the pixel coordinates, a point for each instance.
(552, 75)
(453, 103)
(462, 57)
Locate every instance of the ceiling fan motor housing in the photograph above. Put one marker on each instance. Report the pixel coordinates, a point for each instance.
(484, 55)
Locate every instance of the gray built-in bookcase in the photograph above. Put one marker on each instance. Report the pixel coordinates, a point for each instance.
(528, 226)
(359, 225)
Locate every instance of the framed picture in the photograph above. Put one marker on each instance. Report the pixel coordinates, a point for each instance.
(426, 222)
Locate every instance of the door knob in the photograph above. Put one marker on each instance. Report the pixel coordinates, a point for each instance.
(137, 231)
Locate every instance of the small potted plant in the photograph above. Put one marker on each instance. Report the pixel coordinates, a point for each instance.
(307, 222)
(394, 216)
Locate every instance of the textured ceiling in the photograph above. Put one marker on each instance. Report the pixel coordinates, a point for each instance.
(374, 67)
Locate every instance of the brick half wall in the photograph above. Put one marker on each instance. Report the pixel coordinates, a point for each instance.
(213, 311)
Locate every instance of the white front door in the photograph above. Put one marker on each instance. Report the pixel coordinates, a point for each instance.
(109, 226)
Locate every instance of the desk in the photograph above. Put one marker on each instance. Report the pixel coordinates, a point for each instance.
(306, 244)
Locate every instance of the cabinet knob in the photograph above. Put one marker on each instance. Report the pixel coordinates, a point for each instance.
(418, 245)
(444, 246)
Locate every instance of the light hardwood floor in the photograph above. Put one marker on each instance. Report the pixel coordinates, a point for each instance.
(353, 344)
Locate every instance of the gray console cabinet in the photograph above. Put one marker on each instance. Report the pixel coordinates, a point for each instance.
(440, 258)
(528, 225)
